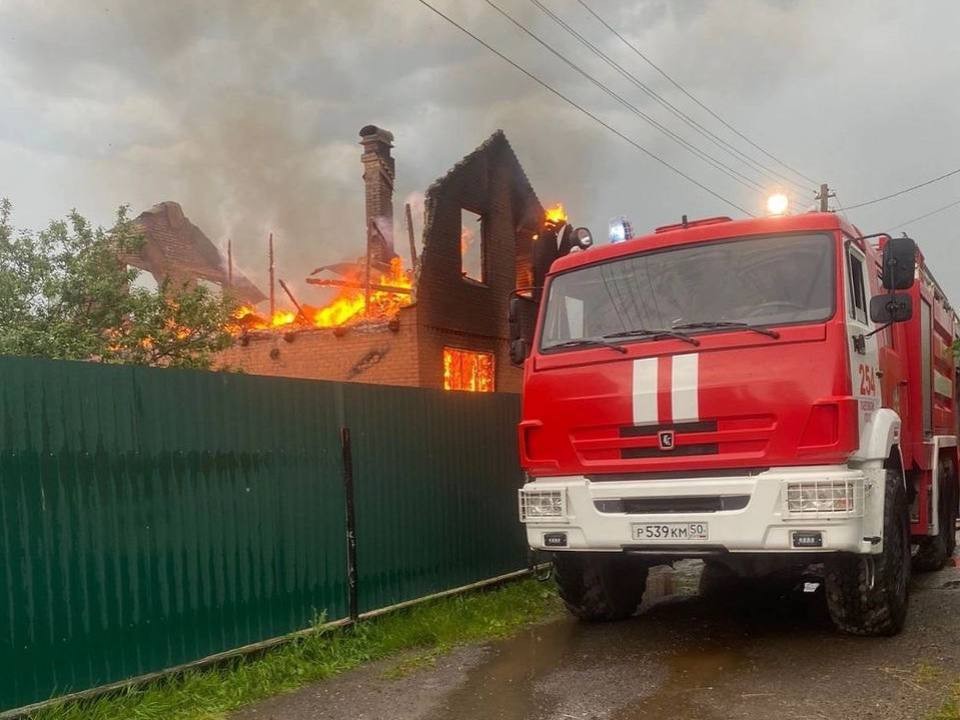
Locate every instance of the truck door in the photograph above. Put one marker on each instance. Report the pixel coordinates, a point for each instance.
(864, 361)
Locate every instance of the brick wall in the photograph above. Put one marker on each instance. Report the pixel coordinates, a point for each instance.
(460, 312)
(373, 354)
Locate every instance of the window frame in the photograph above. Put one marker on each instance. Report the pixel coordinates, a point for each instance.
(858, 290)
(481, 220)
(471, 351)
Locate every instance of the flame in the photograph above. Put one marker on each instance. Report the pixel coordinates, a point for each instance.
(348, 305)
(282, 317)
(557, 214)
(467, 370)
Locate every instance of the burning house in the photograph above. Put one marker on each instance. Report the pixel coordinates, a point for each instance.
(441, 323)
(176, 250)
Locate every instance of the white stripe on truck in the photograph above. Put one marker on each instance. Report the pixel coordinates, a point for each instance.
(686, 384)
(645, 391)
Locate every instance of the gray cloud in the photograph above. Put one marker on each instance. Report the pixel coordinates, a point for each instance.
(247, 112)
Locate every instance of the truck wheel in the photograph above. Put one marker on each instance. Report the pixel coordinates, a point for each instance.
(600, 587)
(867, 595)
(935, 551)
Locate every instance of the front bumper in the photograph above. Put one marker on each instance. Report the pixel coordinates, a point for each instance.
(589, 516)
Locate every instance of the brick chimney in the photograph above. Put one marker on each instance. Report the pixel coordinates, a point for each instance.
(378, 174)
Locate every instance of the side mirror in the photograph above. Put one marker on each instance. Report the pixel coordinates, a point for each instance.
(886, 309)
(518, 351)
(899, 263)
(521, 319)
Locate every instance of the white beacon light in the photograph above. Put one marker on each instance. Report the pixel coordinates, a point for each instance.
(777, 204)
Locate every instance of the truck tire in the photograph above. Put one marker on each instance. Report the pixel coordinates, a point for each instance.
(935, 551)
(859, 606)
(600, 587)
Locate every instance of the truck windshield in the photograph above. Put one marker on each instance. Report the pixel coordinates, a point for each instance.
(758, 281)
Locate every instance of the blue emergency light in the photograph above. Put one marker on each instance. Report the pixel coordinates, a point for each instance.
(620, 230)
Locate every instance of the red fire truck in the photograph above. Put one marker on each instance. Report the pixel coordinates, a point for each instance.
(769, 395)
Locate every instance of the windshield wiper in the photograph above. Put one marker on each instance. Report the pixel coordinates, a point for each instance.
(707, 324)
(654, 334)
(587, 342)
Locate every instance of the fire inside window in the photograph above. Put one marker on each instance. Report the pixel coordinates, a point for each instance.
(467, 370)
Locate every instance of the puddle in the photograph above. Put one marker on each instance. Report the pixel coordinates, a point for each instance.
(569, 669)
(682, 656)
(693, 676)
(503, 687)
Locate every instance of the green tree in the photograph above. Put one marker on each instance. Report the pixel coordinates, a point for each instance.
(65, 293)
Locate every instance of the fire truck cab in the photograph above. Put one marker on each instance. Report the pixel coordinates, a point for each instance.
(767, 395)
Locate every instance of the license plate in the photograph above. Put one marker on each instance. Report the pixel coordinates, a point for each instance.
(670, 532)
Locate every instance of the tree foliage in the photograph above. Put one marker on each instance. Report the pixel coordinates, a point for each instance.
(65, 293)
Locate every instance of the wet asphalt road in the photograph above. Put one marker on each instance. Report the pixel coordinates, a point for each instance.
(747, 655)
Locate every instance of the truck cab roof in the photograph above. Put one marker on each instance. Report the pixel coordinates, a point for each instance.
(705, 230)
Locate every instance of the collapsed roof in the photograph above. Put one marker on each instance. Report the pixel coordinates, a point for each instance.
(177, 249)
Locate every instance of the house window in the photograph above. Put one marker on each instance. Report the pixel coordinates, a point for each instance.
(467, 370)
(472, 252)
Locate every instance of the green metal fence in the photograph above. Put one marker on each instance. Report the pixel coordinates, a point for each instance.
(150, 518)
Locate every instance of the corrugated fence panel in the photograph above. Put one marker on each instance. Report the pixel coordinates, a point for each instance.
(436, 476)
(149, 518)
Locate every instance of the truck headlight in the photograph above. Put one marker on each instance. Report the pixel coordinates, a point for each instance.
(542, 504)
(819, 496)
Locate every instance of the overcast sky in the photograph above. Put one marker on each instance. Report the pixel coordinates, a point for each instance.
(247, 113)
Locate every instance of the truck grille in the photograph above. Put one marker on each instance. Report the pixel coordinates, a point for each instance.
(699, 426)
(679, 430)
(702, 449)
(746, 437)
(667, 505)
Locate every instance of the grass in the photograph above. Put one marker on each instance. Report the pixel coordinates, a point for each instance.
(951, 708)
(429, 629)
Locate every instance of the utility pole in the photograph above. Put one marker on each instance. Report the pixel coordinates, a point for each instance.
(824, 197)
(273, 299)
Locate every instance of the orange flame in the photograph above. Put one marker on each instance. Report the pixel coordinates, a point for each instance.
(557, 214)
(282, 317)
(467, 370)
(347, 306)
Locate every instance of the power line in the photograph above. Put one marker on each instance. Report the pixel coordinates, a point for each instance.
(554, 91)
(924, 216)
(682, 89)
(735, 152)
(905, 190)
(840, 206)
(687, 145)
